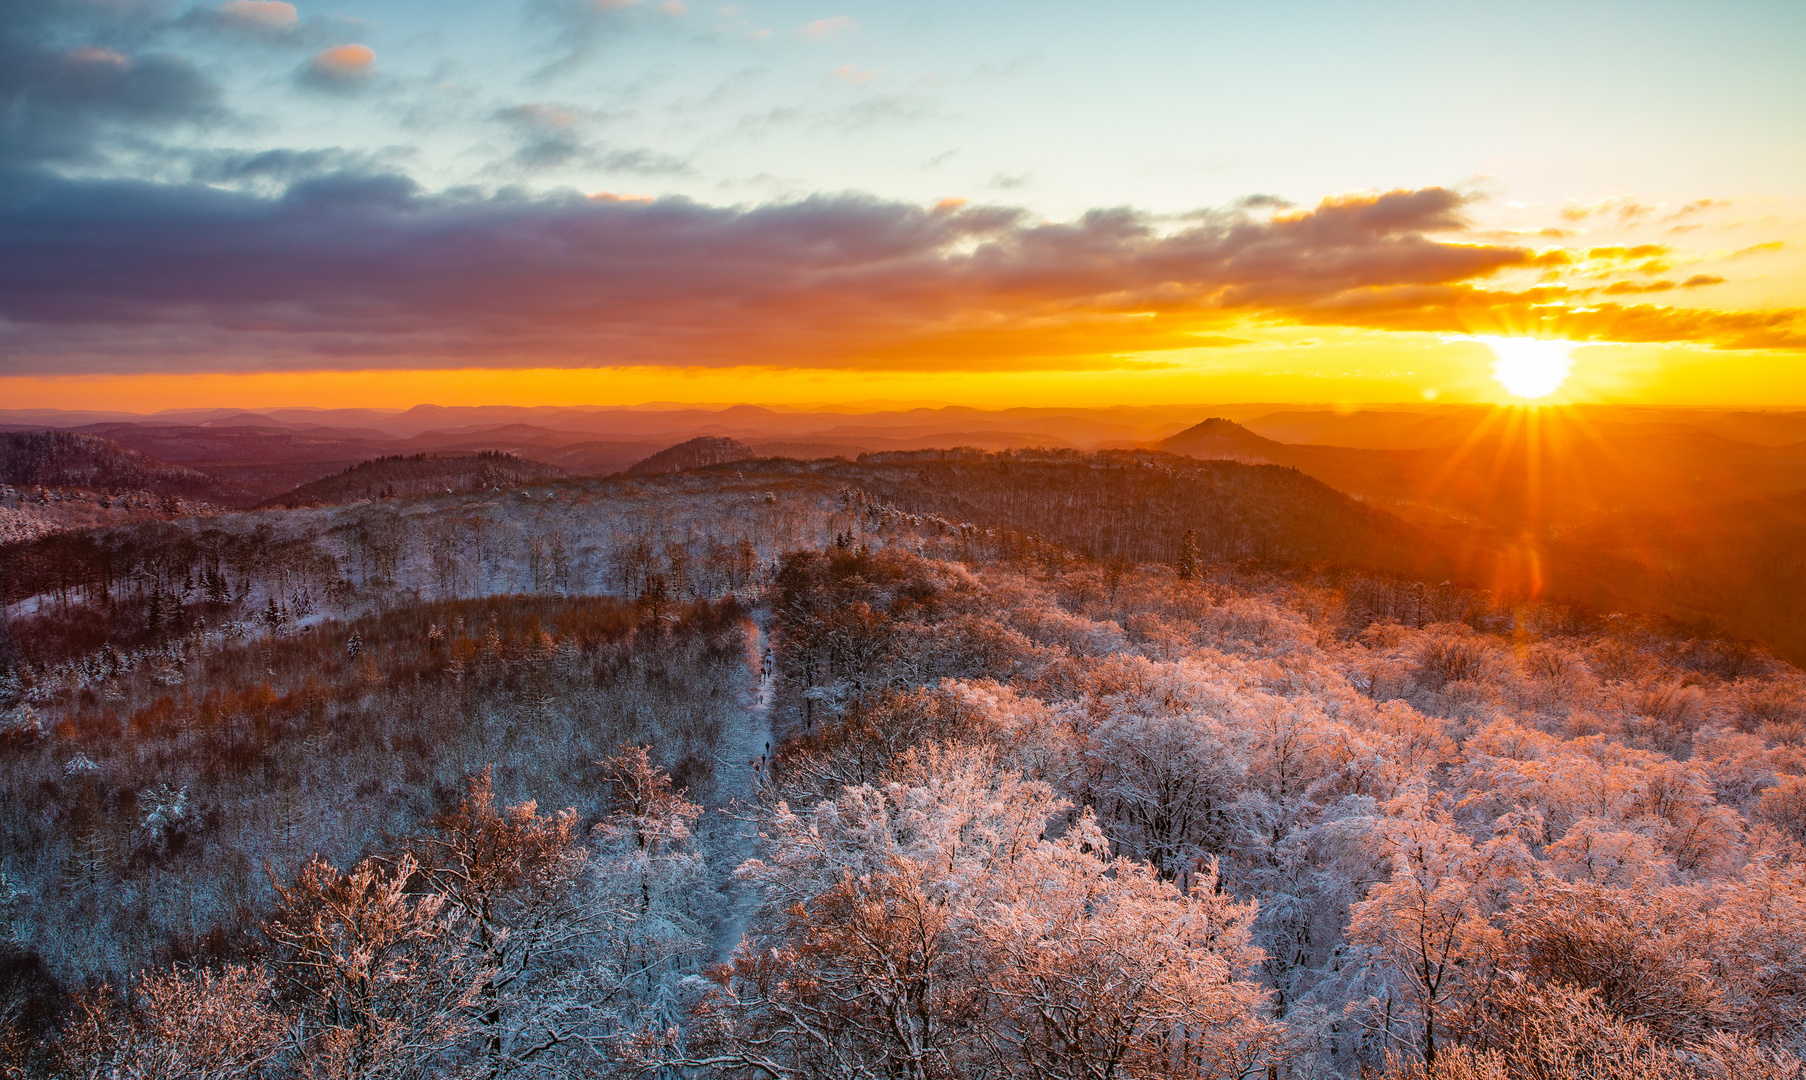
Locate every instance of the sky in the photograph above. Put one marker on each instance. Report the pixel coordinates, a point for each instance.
(256, 203)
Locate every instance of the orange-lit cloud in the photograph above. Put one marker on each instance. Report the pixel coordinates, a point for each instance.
(1626, 208)
(1623, 254)
(342, 67)
(1546, 311)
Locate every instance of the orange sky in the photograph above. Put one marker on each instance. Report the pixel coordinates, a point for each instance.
(1338, 367)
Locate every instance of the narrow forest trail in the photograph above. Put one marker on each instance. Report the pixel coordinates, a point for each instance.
(736, 784)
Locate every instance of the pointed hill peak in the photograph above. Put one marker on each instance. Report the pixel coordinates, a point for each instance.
(1217, 438)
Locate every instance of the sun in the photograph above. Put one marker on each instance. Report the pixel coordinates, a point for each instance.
(1530, 368)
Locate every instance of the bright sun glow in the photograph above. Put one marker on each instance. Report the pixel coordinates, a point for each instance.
(1530, 367)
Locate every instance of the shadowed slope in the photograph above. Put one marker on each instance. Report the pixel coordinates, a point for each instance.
(62, 459)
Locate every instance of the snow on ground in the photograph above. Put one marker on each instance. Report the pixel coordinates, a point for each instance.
(737, 778)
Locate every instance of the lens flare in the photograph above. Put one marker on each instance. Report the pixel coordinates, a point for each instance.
(1530, 368)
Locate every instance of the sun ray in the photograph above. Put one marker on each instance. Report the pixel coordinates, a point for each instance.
(1533, 472)
(1467, 445)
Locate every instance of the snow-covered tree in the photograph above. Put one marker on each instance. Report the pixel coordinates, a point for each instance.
(511, 876)
(933, 926)
(379, 975)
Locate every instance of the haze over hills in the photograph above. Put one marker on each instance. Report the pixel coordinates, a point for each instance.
(272, 451)
(1426, 427)
(1512, 472)
(1740, 565)
(1660, 516)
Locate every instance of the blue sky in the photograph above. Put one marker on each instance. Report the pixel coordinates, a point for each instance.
(1057, 106)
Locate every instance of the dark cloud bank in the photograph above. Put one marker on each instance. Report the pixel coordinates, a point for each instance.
(354, 268)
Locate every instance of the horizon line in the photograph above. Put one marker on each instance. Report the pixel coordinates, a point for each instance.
(869, 406)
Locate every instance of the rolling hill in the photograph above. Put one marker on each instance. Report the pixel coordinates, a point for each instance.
(63, 459)
(1138, 506)
(697, 453)
(406, 476)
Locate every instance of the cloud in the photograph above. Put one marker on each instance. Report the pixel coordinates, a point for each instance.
(1698, 280)
(267, 22)
(848, 73)
(1697, 206)
(339, 69)
(1626, 208)
(259, 16)
(541, 117)
(867, 111)
(878, 110)
(72, 104)
(1552, 311)
(356, 269)
(282, 167)
(553, 137)
(823, 29)
(1624, 254)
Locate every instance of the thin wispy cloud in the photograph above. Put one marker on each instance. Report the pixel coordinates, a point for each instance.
(849, 74)
(825, 29)
(260, 16)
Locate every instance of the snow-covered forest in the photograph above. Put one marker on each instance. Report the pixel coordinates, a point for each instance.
(941, 769)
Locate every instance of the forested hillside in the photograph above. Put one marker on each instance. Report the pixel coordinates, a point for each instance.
(929, 765)
(403, 476)
(697, 453)
(61, 459)
(1140, 507)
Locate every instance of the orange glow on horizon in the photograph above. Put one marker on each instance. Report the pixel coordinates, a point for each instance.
(1331, 366)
